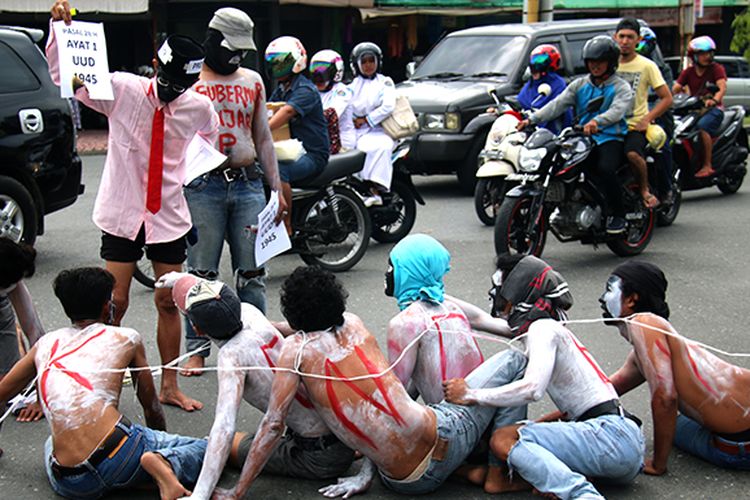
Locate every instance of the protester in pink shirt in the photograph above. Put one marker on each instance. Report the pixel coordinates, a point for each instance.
(140, 201)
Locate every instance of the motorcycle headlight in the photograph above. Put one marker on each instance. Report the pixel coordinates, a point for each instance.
(530, 159)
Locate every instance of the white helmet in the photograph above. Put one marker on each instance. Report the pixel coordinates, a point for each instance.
(285, 56)
(327, 66)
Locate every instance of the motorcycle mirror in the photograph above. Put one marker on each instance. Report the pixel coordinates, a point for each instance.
(544, 89)
(411, 67)
(493, 95)
(595, 104)
(526, 74)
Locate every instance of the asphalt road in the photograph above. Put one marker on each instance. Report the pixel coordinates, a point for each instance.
(704, 256)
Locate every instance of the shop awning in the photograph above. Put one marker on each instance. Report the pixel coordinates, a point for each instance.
(83, 6)
(358, 4)
(370, 14)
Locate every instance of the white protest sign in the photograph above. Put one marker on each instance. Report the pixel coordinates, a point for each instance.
(201, 157)
(82, 52)
(271, 239)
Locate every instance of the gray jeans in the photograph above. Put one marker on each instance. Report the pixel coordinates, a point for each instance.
(309, 458)
(463, 426)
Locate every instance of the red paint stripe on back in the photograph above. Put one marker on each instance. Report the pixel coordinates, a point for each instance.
(373, 370)
(336, 407)
(697, 374)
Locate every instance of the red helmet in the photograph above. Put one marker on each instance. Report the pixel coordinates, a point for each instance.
(544, 58)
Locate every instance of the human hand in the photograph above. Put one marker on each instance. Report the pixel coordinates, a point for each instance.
(455, 390)
(346, 487)
(31, 413)
(710, 102)
(77, 83)
(60, 11)
(650, 469)
(360, 122)
(168, 280)
(222, 494)
(642, 125)
(523, 124)
(283, 210)
(591, 128)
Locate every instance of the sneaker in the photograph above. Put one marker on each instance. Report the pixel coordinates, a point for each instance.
(373, 200)
(616, 225)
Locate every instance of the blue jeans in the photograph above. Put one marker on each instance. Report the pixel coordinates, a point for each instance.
(305, 166)
(463, 426)
(695, 439)
(711, 121)
(123, 470)
(222, 210)
(556, 457)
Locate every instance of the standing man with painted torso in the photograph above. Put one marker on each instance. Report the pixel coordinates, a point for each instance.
(228, 199)
(140, 201)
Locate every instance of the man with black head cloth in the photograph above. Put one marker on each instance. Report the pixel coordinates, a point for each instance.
(228, 199)
(599, 439)
(140, 201)
(699, 402)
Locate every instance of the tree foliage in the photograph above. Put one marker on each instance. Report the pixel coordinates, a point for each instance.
(741, 38)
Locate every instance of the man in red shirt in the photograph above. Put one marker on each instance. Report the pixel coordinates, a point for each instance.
(697, 78)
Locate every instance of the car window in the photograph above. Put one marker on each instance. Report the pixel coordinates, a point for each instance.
(744, 69)
(575, 43)
(471, 55)
(732, 68)
(15, 76)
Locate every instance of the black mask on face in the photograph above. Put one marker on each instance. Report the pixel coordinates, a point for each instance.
(389, 282)
(167, 90)
(218, 58)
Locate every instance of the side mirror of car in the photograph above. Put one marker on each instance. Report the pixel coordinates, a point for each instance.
(411, 67)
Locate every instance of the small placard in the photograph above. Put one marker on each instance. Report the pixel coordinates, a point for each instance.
(82, 52)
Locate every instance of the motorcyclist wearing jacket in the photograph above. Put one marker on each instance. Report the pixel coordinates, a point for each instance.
(373, 101)
(544, 62)
(327, 73)
(696, 79)
(606, 126)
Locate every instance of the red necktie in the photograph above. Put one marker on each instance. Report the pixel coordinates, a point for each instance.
(155, 162)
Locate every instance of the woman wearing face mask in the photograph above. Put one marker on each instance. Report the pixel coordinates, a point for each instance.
(326, 72)
(373, 101)
(227, 199)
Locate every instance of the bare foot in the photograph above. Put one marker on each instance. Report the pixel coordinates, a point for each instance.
(650, 201)
(475, 474)
(705, 172)
(193, 367)
(498, 481)
(159, 469)
(178, 398)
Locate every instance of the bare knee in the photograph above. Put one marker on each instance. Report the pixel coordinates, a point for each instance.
(164, 301)
(634, 158)
(121, 303)
(503, 441)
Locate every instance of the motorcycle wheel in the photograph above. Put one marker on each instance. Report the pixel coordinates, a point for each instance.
(144, 274)
(488, 196)
(730, 184)
(510, 229)
(637, 237)
(666, 216)
(402, 200)
(328, 244)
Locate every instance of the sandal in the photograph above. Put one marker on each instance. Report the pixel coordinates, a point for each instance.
(703, 173)
(651, 201)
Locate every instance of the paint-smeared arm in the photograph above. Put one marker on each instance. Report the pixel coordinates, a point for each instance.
(29, 320)
(283, 390)
(18, 377)
(263, 139)
(541, 349)
(628, 377)
(144, 384)
(482, 320)
(401, 330)
(350, 486)
(231, 387)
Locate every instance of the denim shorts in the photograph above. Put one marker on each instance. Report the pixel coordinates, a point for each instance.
(711, 121)
(123, 469)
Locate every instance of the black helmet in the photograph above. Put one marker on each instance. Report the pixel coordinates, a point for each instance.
(602, 48)
(362, 49)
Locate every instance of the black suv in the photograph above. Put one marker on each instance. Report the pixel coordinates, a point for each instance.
(448, 90)
(41, 169)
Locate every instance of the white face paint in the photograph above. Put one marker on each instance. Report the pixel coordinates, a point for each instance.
(611, 299)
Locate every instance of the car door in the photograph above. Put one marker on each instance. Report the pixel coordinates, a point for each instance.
(735, 86)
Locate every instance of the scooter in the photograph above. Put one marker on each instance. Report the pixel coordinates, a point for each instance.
(730, 149)
(499, 158)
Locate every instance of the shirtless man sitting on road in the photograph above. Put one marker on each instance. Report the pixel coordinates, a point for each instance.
(599, 439)
(94, 448)
(699, 402)
(247, 339)
(414, 447)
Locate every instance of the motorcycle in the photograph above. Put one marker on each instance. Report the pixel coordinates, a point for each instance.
(556, 194)
(499, 158)
(331, 227)
(730, 148)
(395, 218)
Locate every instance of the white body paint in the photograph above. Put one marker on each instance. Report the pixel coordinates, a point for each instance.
(559, 365)
(245, 349)
(66, 403)
(422, 365)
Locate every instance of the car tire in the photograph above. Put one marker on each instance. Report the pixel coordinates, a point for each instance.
(18, 215)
